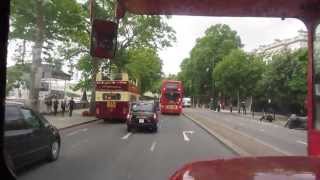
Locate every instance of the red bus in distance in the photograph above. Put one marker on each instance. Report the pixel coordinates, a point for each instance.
(171, 97)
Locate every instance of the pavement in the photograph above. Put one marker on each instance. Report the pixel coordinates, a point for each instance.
(66, 121)
(249, 136)
(103, 151)
(279, 119)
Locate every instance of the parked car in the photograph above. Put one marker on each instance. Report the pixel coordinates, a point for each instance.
(29, 137)
(297, 122)
(143, 115)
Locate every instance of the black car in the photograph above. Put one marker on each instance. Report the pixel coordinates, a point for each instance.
(143, 115)
(29, 137)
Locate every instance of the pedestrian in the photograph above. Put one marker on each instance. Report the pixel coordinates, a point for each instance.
(71, 106)
(50, 104)
(46, 101)
(55, 106)
(243, 106)
(63, 106)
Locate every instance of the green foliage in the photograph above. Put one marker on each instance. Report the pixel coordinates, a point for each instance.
(238, 72)
(63, 20)
(136, 33)
(145, 66)
(85, 66)
(196, 71)
(285, 79)
(18, 76)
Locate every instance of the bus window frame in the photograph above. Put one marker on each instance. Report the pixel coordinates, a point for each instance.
(316, 72)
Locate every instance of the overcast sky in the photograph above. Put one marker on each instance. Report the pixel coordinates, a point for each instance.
(252, 31)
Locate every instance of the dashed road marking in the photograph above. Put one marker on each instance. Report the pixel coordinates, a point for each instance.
(77, 131)
(262, 130)
(153, 146)
(301, 142)
(126, 136)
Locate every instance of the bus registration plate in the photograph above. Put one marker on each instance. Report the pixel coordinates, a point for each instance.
(111, 104)
(171, 107)
(141, 120)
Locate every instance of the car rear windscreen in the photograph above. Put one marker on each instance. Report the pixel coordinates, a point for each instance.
(142, 107)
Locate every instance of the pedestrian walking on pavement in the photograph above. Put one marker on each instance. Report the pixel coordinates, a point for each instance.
(50, 104)
(55, 106)
(71, 106)
(63, 106)
(46, 101)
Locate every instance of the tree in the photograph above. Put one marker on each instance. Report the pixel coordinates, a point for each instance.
(285, 80)
(134, 32)
(145, 66)
(18, 76)
(44, 23)
(196, 71)
(237, 74)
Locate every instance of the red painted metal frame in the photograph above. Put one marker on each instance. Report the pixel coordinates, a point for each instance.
(239, 8)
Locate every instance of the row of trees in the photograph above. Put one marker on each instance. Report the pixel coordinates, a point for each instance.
(217, 67)
(58, 33)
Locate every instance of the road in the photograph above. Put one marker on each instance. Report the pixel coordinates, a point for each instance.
(291, 142)
(102, 151)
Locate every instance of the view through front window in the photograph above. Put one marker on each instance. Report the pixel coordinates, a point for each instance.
(141, 115)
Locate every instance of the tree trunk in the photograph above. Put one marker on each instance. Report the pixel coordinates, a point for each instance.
(36, 57)
(84, 96)
(250, 103)
(95, 69)
(238, 99)
(23, 51)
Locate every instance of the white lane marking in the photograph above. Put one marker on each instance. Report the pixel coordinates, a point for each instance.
(262, 130)
(301, 142)
(126, 136)
(77, 131)
(77, 144)
(185, 137)
(153, 146)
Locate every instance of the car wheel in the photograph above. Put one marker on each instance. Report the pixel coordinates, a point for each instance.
(54, 150)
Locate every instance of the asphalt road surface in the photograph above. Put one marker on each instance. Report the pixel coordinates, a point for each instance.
(102, 151)
(291, 142)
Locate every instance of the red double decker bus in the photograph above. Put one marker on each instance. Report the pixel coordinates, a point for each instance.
(171, 97)
(114, 96)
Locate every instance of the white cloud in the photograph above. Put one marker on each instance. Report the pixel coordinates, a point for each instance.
(253, 32)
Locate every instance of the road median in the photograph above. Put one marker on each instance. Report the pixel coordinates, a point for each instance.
(241, 143)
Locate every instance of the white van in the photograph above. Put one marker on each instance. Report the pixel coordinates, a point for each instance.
(186, 102)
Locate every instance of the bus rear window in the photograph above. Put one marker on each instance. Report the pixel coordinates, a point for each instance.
(172, 86)
(111, 96)
(172, 96)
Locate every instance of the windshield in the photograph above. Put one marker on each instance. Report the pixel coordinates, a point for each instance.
(207, 88)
